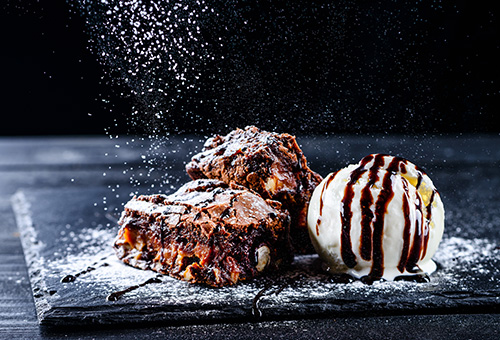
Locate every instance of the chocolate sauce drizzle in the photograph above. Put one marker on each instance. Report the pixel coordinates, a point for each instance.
(406, 230)
(279, 285)
(115, 296)
(385, 196)
(366, 213)
(256, 311)
(346, 216)
(276, 285)
(321, 203)
(428, 209)
(372, 224)
(92, 267)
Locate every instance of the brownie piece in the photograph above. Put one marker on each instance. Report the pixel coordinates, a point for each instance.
(207, 232)
(269, 163)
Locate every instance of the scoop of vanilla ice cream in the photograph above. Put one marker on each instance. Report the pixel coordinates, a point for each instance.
(380, 218)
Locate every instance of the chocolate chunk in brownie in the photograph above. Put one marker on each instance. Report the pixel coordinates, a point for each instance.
(269, 163)
(207, 232)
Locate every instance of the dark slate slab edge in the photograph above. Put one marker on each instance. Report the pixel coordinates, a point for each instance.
(52, 311)
(113, 313)
(31, 248)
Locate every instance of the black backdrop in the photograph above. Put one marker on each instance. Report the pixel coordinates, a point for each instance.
(444, 78)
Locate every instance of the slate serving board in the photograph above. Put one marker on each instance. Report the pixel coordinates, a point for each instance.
(64, 231)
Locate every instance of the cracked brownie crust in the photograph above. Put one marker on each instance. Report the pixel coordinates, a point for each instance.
(207, 232)
(271, 164)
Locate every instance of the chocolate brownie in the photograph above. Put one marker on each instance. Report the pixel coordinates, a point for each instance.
(269, 163)
(207, 232)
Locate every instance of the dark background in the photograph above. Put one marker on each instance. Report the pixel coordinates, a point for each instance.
(345, 66)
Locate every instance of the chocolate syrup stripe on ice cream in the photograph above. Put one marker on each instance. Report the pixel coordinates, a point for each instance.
(346, 216)
(371, 241)
(321, 203)
(406, 231)
(384, 197)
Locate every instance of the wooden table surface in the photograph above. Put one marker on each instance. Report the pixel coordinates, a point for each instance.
(60, 163)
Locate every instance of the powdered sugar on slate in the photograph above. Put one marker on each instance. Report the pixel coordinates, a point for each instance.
(477, 258)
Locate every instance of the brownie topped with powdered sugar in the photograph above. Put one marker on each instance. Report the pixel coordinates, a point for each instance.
(207, 232)
(269, 163)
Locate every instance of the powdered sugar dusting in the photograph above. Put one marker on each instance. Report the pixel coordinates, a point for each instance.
(465, 251)
(306, 281)
(479, 259)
